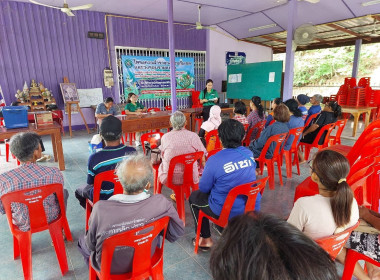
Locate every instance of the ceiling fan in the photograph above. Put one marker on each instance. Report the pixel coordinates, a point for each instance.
(198, 24)
(65, 9)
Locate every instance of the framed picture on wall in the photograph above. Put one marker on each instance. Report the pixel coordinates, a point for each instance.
(69, 92)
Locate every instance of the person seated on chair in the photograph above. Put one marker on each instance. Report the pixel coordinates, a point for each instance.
(177, 142)
(257, 114)
(281, 115)
(263, 246)
(212, 123)
(133, 107)
(330, 114)
(134, 208)
(25, 146)
(295, 120)
(275, 102)
(105, 109)
(208, 98)
(315, 108)
(104, 160)
(240, 111)
(229, 168)
(302, 99)
(334, 209)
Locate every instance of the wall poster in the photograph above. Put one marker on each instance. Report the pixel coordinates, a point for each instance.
(149, 76)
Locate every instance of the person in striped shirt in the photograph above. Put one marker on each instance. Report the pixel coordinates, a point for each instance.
(104, 160)
(25, 146)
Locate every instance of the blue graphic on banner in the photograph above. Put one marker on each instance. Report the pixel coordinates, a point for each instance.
(149, 76)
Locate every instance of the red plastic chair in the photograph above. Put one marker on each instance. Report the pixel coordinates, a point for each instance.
(187, 160)
(168, 108)
(144, 265)
(259, 126)
(278, 140)
(108, 176)
(152, 138)
(307, 147)
(272, 122)
(334, 243)
(312, 117)
(22, 241)
(154, 109)
(250, 190)
(297, 133)
(213, 136)
(195, 99)
(340, 124)
(349, 265)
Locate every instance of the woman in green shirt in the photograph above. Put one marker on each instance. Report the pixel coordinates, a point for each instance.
(134, 107)
(208, 97)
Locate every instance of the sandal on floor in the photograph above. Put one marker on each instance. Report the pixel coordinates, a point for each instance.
(202, 248)
(172, 196)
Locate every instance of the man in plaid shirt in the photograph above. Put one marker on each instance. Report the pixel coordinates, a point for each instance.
(26, 147)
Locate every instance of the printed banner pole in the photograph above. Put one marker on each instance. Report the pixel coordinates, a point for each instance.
(172, 56)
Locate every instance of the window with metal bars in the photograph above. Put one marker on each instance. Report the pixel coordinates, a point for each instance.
(199, 72)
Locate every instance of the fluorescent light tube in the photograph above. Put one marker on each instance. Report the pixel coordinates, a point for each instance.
(369, 3)
(264, 26)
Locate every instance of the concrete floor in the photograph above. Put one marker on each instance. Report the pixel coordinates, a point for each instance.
(179, 260)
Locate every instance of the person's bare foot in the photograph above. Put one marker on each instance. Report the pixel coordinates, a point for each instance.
(373, 272)
(205, 242)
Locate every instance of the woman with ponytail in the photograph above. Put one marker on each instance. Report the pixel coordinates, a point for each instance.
(208, 98)
(296, 120)
(330, 114)
(334, 209)
(256, 115)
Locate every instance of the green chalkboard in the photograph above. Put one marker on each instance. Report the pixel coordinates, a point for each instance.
(262, 79)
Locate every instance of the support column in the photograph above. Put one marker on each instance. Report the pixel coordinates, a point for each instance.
(355, 66)
(289, 62)
(172, 56)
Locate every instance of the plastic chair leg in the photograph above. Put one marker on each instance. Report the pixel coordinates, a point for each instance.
(16, 248)
(200, 218)
(6, 151)
(67, 231)
(157, 270)
(288, 163)
(179, 196)
(296, 160)
(92, 273)
(307, 152)
(25, 243)
(270, 167)
(88, 213)
(59, 246)
(279, 172)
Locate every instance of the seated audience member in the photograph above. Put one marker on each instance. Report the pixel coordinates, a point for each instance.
(134, 208)
(330, 114)
(240, 111)
(281, 116)
(177, 142)
(367, 244)
(334, 209)
(261, 246)
(212, 123)
(134, 107)
(302, 99)
(105, 109)
(275, 102)
(295, 121)
(25, 146)
(104, 160)
(229, 168)
(257, 114)
(315, 108)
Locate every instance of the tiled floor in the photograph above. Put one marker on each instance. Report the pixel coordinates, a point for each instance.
(179, 260)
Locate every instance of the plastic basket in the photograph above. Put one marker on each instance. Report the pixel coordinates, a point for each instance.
(15, 116)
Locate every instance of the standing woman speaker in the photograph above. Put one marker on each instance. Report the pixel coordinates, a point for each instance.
(208, 97)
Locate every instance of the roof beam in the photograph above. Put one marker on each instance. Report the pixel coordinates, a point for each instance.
(270, 38)
(348, 31)
(324, 41)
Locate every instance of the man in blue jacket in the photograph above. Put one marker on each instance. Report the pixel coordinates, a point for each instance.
(231, 167)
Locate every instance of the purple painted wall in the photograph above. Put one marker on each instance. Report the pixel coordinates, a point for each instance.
(46, 45)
